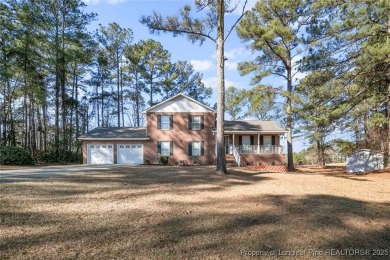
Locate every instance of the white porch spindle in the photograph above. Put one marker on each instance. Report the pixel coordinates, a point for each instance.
(234, 144)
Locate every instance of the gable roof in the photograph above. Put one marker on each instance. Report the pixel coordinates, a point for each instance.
(115, 133)
(176, 96)
(252, 126)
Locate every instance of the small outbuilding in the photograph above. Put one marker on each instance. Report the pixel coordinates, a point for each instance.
(365, 160)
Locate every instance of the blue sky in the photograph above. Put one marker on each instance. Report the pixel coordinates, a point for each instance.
(128, 12)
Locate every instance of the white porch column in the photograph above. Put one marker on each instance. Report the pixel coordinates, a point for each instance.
(258, 143)
(233, 142)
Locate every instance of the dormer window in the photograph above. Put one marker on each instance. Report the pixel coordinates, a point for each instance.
(164, 122)
(195, 122)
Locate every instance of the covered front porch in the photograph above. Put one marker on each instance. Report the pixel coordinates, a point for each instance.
(249, 143)
(254, 142)
(254, 148)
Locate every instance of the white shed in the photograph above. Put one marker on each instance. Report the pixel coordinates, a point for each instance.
(364, 160)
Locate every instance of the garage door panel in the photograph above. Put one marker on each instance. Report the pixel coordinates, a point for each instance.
(101, 154)
(131, 154)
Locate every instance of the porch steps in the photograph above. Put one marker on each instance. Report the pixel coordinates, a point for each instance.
(230, 161)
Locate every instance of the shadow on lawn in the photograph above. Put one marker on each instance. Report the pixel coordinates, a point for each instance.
(135, 177)
(273, 222)
(319, 222)
(199, 226)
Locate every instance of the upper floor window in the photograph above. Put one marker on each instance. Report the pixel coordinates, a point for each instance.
(195, 122)
(164, 122)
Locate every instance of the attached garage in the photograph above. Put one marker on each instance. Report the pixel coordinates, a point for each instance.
(101, 154)
(114, 145)
(130, 153)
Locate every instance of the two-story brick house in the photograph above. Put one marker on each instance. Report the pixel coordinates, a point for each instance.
(183, 129)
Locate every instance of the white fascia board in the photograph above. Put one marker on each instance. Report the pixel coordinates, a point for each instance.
(180, 94)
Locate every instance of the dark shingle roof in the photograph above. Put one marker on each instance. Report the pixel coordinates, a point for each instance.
(252, 125)
(115, 132)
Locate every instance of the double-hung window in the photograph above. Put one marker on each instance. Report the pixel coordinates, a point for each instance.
(165, 148)
(195, 148)
(195, 122)
(164, 122)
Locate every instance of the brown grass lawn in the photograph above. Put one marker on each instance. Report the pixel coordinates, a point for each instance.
(189, 212)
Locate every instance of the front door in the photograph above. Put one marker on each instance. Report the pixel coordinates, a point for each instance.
(226, 144)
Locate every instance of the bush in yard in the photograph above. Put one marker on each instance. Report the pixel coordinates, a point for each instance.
(164, 160)
(50, 156)
(11, 155)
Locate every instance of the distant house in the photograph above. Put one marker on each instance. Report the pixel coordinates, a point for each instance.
(184, 129)
(365, 160)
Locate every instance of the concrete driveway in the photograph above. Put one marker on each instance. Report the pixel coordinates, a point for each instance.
(50, 171)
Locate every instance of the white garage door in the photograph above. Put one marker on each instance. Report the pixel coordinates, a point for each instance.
(131, 153)
(101, 154)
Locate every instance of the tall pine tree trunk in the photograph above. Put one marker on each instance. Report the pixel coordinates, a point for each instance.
(77, 117)
(221, 160)
(137, 98)
(387, 154)
(57, 89)
(63, 82)
(118, 89)
(290, 158)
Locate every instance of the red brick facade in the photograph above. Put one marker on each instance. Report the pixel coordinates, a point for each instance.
(180, 135)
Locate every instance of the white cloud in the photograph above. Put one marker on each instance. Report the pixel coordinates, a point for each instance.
(236, 54)
(231, 65)
(212, 83)
(202, 65)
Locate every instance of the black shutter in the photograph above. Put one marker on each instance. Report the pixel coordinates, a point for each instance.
(261, 140)
(189, 122)
(159, 147)
(190, 148)
(273, 140)
(202, 122)
(158, 122)
(202, 148)
(252, 140)
(239, 140)
(170, 122)
(171, 147)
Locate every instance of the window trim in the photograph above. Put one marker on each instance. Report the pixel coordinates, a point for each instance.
(191, 148)
(191, 122)
(168, 122)
(160, 148)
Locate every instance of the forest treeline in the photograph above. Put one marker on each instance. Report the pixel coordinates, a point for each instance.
(58, 78)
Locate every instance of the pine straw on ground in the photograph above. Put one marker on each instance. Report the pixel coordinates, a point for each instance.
(190, 212)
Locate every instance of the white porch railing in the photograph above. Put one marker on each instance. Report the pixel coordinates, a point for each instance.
(237, 156)
(259, 149)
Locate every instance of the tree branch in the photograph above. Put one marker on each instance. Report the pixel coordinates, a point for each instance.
(243, 13)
